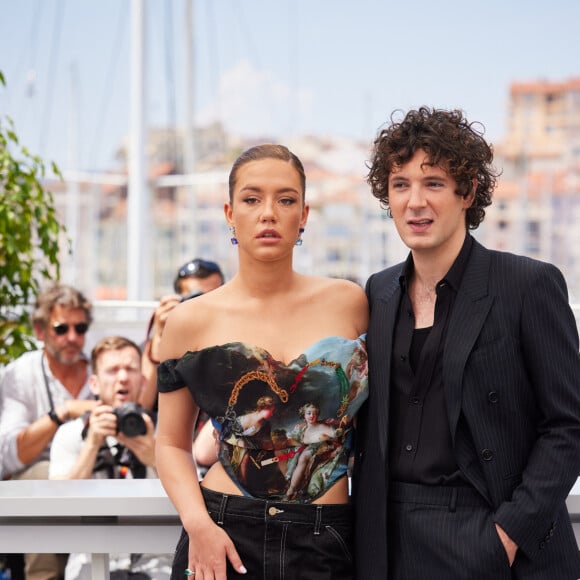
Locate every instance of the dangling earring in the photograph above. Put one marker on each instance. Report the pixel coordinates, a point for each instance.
(299, 240)
(233, 239)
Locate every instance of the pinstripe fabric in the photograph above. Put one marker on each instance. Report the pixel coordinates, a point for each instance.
(427, 520)
(512, 380)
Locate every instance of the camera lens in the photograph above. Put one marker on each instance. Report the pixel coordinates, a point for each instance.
(130, 421)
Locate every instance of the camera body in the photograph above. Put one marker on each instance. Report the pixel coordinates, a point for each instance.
(191, 295)
(130, 420)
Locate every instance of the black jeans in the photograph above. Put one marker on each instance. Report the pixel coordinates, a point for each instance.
(280, 540)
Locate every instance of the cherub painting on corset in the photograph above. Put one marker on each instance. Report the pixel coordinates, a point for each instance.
(316, 443)
(357, 369)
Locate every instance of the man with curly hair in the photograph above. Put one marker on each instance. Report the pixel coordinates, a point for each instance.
(470, 442)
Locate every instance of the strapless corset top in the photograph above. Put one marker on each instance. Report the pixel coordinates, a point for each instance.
(285, 429)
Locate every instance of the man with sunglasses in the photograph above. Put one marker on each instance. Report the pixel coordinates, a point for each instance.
(42, 390)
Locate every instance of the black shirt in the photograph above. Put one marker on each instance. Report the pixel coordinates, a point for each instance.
(420, 440)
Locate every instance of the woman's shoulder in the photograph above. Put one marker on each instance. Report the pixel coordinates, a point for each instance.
(341, 292)
(186, 325)
(339, 299)
(322, 284)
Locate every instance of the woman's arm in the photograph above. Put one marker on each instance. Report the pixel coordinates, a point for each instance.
(209, 545)
(205, 446)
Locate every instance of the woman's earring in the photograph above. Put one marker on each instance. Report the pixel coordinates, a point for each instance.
(233, 239)
(299, 240)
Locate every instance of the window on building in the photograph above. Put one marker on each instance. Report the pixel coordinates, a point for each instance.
(333, 255)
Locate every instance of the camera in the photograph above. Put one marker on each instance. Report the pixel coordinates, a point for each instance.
(130, 420)
(191, 295)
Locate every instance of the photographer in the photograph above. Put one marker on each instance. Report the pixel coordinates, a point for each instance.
(194, 278)
(114, 441)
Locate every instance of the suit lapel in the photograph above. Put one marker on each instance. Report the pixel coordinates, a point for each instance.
(471, 308)
(384, 313)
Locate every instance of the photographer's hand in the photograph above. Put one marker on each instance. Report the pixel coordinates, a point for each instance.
(150, 358)
(166, 305)
(74, 408)
(143, 446)
(101, 423)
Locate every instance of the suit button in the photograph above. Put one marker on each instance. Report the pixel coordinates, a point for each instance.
(408, 447)
(542, 545)
(493, 397)
(487, 454)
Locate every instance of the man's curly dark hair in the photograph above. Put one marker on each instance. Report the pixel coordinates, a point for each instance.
(450, 142)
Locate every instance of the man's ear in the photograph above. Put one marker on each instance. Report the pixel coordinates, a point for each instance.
(143, 386)
(94, 385)
(40, 332)
(470, 197)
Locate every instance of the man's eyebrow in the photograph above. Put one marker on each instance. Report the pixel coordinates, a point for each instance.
(435, 176)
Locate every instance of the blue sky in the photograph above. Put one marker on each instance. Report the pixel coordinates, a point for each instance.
(271, 68)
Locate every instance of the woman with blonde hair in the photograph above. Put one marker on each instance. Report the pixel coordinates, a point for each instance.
(268, 332)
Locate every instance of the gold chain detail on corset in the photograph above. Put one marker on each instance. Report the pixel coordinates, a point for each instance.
(256, 376)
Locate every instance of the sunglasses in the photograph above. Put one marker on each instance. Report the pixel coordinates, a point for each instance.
(198, 268)
(62, 329)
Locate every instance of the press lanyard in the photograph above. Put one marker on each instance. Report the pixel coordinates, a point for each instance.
(46, 382)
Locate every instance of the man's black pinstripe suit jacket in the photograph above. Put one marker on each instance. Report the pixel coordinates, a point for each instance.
(513, 334)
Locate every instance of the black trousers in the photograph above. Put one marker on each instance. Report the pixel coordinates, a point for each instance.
(443, 533)
(448, 533)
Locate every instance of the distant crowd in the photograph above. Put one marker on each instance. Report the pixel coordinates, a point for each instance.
(66, 414)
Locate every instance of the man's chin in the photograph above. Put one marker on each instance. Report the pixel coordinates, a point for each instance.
(117, 403)
(70, 359)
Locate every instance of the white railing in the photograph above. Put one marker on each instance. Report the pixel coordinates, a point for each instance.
(92, 516)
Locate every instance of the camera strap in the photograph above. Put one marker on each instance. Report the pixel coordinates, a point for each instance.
(50, 400)
(129, 460)
(116, 461)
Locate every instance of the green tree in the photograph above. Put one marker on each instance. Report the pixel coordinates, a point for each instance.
(29, 239)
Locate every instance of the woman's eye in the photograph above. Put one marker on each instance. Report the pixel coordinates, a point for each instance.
(251, 200)
(288, 201)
